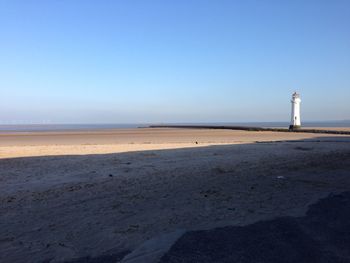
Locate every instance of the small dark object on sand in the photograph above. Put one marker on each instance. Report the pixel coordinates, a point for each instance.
(303, 148)
(110, 175)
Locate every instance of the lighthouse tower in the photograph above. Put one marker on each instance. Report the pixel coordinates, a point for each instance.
(295, 120)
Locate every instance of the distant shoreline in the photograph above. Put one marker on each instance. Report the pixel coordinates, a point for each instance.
(256, 129)
(5, 128)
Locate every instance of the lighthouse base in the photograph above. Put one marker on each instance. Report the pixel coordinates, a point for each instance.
(294, 127)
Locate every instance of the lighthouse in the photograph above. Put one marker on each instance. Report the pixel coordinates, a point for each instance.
(295, 118)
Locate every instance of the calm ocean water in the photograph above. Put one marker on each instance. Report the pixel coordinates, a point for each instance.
(77, 127)
(63, 127)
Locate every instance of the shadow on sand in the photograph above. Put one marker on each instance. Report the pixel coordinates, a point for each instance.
(323, 235)
(71, 207)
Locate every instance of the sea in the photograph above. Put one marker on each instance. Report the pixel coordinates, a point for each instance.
(5, 128)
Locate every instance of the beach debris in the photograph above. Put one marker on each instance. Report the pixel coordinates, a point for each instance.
(303, 148)
(11, 199)
(219, 170)
(210, 193)
(110, 175)
(132, 228)
(281, 177)
(196, 142)
(223, 170)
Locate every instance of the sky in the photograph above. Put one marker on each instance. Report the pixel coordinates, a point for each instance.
(130, 61)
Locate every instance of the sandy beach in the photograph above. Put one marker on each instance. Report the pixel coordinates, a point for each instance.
(25, 144)
(70, 195)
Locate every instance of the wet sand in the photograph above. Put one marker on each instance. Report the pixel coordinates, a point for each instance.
(94, 194)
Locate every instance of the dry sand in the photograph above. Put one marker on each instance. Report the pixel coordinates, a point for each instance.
(25, 144)
(106, 192)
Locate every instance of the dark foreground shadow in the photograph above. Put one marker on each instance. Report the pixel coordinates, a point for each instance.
(323, 235)
(101, 259)
(37, 208)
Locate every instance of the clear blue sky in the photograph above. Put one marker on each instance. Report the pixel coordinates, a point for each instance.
(73, 61)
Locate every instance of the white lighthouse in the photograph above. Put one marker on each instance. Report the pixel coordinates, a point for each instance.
(295, 118)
